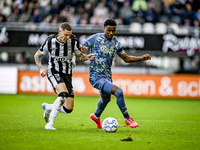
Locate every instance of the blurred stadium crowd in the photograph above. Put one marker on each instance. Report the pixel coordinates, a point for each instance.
(182, 12)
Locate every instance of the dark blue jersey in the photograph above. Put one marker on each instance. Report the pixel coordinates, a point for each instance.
(104, 50)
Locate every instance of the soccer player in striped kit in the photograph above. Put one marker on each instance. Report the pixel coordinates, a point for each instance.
(61, 49)
(105, 46)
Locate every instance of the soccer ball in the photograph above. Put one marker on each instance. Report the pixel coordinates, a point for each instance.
(110, 124)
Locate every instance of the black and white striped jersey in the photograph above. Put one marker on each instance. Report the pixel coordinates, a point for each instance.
(60, 54)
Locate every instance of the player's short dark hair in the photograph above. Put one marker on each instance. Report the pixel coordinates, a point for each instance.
(65, 26)
(110, 22)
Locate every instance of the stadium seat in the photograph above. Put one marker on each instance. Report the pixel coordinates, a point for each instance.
(160, 28)
(135, 27)
(148, 27)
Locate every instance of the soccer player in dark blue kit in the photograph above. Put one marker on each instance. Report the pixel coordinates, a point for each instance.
(105, 46)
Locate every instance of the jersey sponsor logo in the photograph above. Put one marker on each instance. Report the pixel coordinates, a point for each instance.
(60, 58)
(104, 49)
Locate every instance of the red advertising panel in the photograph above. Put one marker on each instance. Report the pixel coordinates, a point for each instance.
(179, 86)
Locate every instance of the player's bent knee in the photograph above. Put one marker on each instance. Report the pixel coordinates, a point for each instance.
(67, 110)
(106, 100)
(63, 94)
(119, 92)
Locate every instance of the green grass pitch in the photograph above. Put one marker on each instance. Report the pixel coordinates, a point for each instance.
(164, 124)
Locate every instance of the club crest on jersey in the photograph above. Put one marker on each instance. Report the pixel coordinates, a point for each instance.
(57, 76)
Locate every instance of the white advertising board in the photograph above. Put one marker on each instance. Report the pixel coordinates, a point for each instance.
(8, 80)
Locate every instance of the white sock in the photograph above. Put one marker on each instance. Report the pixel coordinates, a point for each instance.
(56, 109)
(50, 106)
(62, 110)
(96, 117)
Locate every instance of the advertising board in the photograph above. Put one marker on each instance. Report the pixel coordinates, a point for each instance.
(174, 86)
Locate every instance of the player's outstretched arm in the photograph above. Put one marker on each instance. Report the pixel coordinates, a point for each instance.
(82, 57)
(146, 57)
(128, 58)
(83, 48)
(90, 56)
(37, 58)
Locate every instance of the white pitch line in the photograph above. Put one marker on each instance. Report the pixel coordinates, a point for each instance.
(166, 121)
(78, 118)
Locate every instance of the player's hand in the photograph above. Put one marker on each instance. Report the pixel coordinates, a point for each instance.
(146, 57)
(90, 56)
(83, 48)
(43, 72)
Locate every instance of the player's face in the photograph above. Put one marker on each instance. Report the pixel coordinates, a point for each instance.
(64, 35)
(109, 31)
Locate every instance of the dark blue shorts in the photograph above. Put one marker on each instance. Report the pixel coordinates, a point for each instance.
(104, 86)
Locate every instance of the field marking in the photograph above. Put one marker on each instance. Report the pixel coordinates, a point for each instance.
(15, 116)
(166, 121)
(77, 118)
(171, 121)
